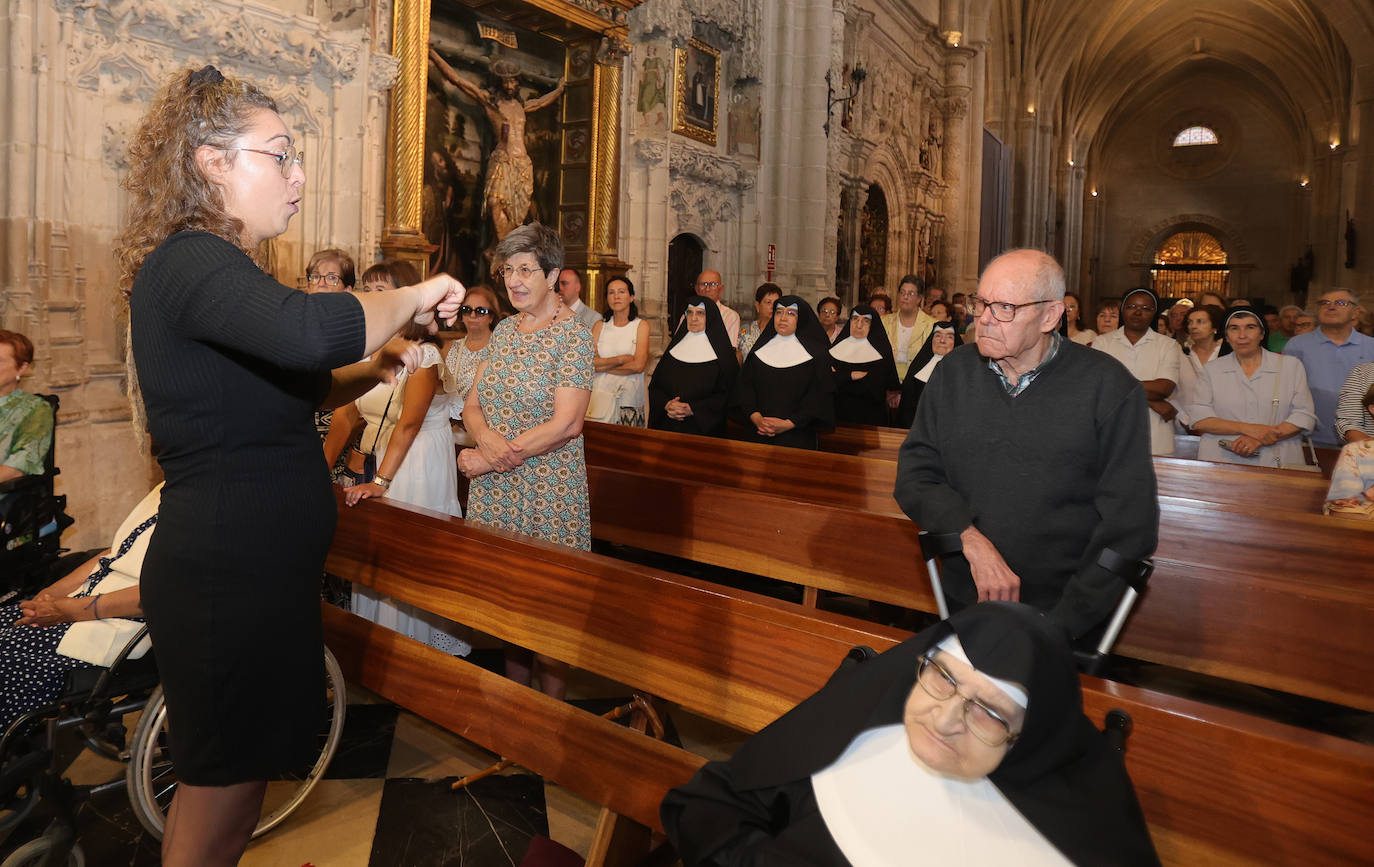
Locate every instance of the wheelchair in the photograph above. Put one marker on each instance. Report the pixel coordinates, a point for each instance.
(40, 746)
(32, 520)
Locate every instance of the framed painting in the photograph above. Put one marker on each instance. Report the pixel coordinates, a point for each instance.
(696, 91)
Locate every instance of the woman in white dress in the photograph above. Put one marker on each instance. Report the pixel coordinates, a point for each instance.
(408, 434)
(480, 313)
(622, 352)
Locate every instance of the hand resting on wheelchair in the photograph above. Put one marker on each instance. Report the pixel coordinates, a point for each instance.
(80, 621)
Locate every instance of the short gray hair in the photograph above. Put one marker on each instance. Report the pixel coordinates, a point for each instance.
(534, 238)
(1045, 277)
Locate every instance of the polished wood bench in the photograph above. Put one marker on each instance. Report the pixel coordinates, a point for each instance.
(1233, 584)
(1216, 786)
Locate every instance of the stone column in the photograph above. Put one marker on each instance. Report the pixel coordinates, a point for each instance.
(961, 230)
(1361, 279)
(404, 238)
(1073, 226)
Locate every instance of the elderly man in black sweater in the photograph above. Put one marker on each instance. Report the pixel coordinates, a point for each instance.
(1034, 450)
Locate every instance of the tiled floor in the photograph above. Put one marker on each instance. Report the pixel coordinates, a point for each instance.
(387, 799)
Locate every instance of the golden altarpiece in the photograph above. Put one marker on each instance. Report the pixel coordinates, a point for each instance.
(574, 143)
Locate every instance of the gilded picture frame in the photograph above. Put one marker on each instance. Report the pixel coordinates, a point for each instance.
(696, 92)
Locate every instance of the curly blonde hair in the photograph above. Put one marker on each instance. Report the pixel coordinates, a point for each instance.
(168, 193)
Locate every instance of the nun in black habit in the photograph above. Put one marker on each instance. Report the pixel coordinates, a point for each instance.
(882, 767)
(941, 342)
(865, 370)
(695, 378)
(786, 394)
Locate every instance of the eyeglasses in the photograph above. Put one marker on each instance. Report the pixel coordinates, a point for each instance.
(525, 271)
(1002, 311)
(1335, 302)
(327, 279)
(465, 310)
(1138, 307)
(709, 284)
(984, 723)
(286, 160)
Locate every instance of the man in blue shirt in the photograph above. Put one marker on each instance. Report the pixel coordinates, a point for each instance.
(1329, 354)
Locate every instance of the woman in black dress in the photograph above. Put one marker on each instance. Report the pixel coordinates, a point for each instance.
(786, 394)
(864, 369)
(231, 365)
(941, 342)
(695, 378)
(966, 744)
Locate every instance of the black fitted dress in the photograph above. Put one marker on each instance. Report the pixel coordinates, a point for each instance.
(232, 365)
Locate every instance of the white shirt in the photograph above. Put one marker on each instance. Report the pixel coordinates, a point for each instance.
(903, 340)
(585, 314)
(1154, 356)
(731, 319)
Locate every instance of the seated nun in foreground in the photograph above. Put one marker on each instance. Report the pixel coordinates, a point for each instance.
(942, 340)
(786, 393)
(695, 378)
(865, 370)
(965, 744)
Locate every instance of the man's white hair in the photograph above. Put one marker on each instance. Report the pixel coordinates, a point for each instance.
(1045, 277)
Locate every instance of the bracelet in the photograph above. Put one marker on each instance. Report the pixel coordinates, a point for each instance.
(95, 607)
(382, 482)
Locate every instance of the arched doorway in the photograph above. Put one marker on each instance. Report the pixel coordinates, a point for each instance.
(685, 255)
(873, 243)
(1188, 263)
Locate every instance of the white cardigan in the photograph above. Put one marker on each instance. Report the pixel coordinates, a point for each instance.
(99, 641)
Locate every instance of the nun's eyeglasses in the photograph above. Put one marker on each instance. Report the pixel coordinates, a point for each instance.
(984, 723)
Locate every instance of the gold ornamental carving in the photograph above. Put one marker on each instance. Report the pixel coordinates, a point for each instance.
(406, 144)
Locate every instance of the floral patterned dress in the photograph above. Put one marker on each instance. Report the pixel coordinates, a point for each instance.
(546, 496)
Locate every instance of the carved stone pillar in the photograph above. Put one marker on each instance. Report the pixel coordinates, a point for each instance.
(603, 214)
(404, 238)
(1073, 226)
(950, 254)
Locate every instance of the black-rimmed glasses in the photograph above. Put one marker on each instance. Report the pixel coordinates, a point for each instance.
(286, 160)
(466, 310)
(984, 723)
(328, 279)
(1002, 311)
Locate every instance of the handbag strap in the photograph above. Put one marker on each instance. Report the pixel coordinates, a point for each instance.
(387, 411)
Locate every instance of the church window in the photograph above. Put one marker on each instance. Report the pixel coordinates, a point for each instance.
(1195, 135)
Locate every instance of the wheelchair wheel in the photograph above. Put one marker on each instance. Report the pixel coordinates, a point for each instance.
(33, 852)
(152, 778)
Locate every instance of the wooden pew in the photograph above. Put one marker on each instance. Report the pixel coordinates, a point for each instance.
(1233, 589)
(864, 440)
(1216, 787)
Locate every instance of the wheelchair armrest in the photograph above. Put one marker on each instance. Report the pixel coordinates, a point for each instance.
(23, 484)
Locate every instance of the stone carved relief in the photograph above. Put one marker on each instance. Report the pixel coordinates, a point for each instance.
(738, 19)
(382, 70)
(686, 162)
(650, 151)
(700, 209)
(256, 37)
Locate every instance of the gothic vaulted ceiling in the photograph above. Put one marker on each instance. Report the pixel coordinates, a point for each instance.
(1084, 60)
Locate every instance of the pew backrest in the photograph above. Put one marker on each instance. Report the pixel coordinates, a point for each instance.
(1213, 784)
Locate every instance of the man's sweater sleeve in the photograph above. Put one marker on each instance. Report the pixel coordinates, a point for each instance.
(923, 490)
(1128, 507)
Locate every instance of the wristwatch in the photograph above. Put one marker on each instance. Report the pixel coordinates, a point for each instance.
(382, 482)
